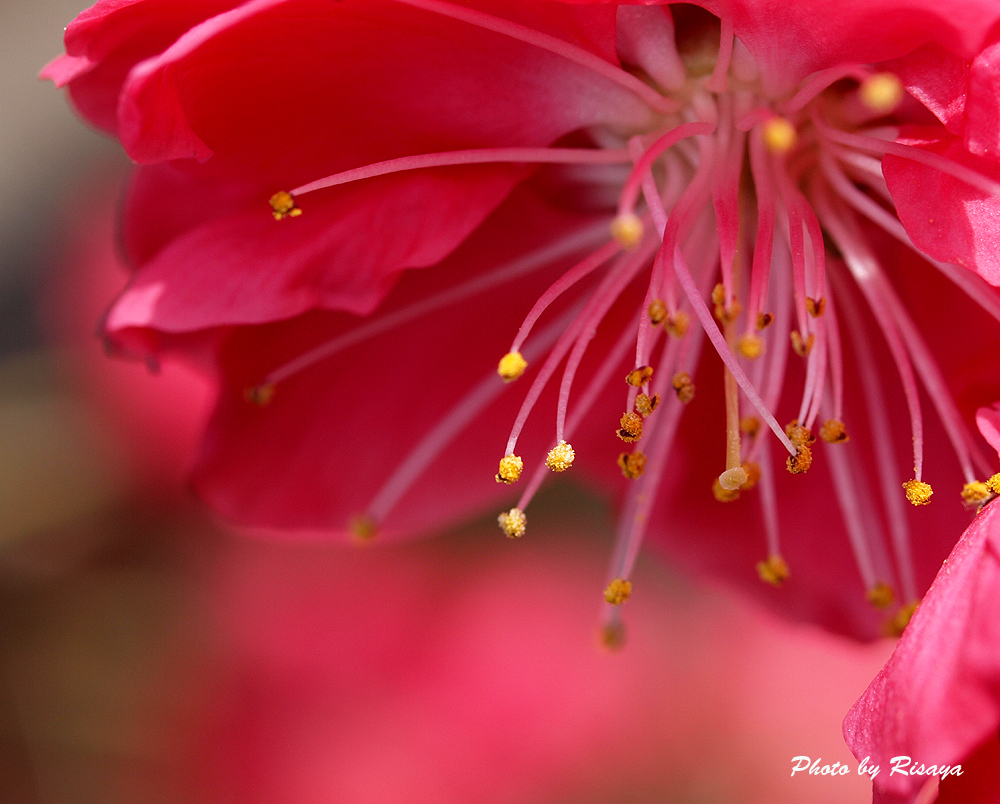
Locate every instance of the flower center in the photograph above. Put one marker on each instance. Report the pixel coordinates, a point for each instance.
(740, 212)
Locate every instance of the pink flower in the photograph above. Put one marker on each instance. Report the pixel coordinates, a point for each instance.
(937, 700)
(814, 186)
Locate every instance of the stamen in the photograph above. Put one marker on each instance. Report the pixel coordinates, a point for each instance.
(918, 492)
(363, 528)
(802, 347)
(618, 591)
(260, 395)
(630, 189)
(474, 156)
(821, 81)
(633, 464)
(513, 523)
(873, 393)
(640, 376)
(646, 404)
(552, 44)
(577, 241)
(724, 495)
(717, 82)
(631, 427)
(437, 439)
(975, 493)
(833, 431)
(684, 386)
(591, 317)
(560, 457)
(510, 469)
(561, 285)
(855, 508)
(769, 499)
(864, 269)
(881, 595)
(511, 366)
(773, 570)
(723, 350)
(902, 618)
(881, 92)
(606, 293)
(750, 346)
(677, 324)
(657, 312)
(590, 395)
(993, 484)
(283, 206)
(627, 230)
(779, 135)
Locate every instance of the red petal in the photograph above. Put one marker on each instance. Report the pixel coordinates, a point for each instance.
(945, 217)
(936, 699)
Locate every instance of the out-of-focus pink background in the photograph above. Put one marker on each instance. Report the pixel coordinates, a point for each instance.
(148, 656)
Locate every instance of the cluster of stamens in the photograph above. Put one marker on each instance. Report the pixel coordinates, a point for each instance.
(811, 179)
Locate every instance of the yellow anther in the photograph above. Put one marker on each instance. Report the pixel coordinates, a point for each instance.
(773, 570)
(513, 523)
(815, 307)
(732, 479)
(764, 320)
(677, 324)
(632, 464)
(639, 377)
(881, 92)
(898, 622)
(798, 434)
(752, 469)
(631, 427)
(618, 591)
(750, 425)
(511, 366)
(800, 462)
(611, 637)
(976, 493)
(259, 395)
(283, 206)
(560, 457)
(724, 313)
(646, 404)
(802, 440)
(749, 346)
(657, 312)
(510, 469)
(918, 492)
(627, 229)
(684, 386)
(779, 135)
(363, 528)
(802, 347)
(832, 431)
(724, 495)
(881, 595)
(993, 484)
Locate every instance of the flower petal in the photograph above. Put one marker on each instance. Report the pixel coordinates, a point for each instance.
(945, 217)
(937, 697)
(107, 40)
(246, 268)
(333, 100)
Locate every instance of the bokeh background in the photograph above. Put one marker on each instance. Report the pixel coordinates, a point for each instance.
(149, 656)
